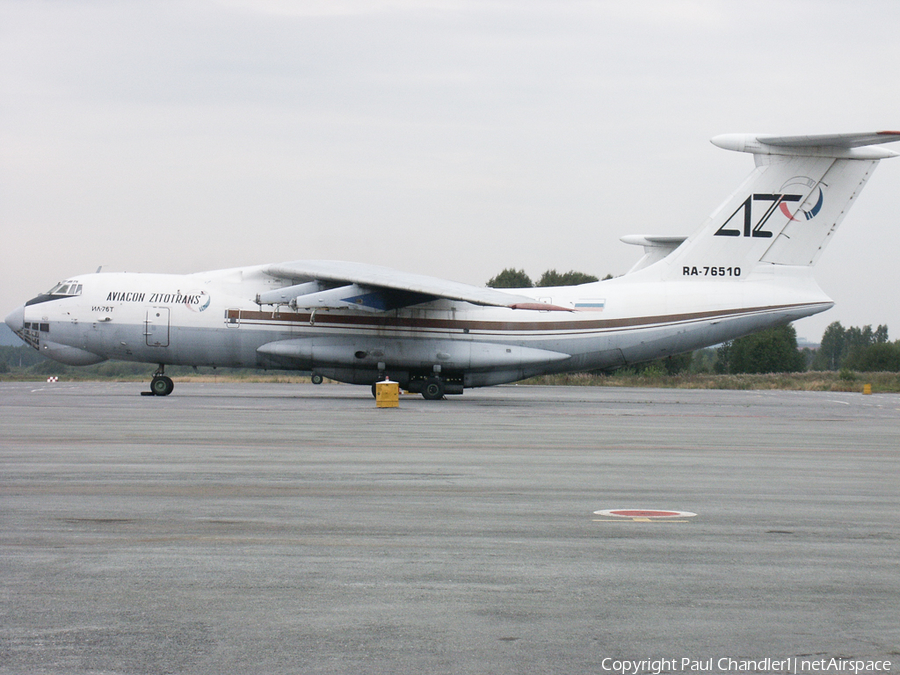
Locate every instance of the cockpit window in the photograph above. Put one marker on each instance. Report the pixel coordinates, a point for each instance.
(68, 287)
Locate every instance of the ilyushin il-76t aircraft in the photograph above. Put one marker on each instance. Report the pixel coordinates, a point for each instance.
(747, 268)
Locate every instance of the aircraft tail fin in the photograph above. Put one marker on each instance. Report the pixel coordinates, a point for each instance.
(785, 212)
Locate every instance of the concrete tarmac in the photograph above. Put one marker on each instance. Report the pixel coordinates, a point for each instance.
(266, 528)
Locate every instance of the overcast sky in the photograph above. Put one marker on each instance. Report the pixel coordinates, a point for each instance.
(447, 137)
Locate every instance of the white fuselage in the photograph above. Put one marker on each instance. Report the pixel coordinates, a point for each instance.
(212, 319)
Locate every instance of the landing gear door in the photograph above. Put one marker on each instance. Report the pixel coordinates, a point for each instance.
(156, 327)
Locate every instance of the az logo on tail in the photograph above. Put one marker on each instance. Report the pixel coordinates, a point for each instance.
(775, 201)
(808, 214)
(756, 230)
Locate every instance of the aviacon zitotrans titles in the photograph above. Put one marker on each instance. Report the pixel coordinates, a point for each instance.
(747, 268)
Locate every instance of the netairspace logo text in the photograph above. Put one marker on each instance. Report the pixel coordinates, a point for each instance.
(788, 666)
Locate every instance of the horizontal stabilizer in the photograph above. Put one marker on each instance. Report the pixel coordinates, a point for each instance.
(833, 140)
(845, 146)
(655, 248)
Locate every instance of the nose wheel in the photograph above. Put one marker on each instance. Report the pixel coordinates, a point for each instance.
(160, 385)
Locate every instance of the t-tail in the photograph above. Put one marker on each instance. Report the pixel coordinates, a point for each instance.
(782, 216)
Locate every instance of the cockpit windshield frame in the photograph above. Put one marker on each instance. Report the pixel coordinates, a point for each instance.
(70, 287)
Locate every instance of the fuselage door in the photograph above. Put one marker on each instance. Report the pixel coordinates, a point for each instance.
(156, 327)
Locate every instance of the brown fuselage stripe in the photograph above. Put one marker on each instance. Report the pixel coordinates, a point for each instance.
(395, 322)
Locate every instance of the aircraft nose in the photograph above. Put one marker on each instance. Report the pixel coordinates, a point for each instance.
(16, 319)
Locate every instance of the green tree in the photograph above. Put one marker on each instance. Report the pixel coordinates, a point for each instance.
(879, 357)
(830, 354)
(770, 351)
(679, 363)
(848, 348)
(511, 278)
(858, 338)
(48, 367)
(21, 356)
(570, 278)
(704, 360)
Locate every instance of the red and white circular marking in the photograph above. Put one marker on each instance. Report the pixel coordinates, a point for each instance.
(643, 513)
(53, 378)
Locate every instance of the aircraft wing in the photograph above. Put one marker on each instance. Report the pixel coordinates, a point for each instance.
(332, 284)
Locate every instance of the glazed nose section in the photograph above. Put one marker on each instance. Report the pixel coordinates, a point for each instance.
(16, 319)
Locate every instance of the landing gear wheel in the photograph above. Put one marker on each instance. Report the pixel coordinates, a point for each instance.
(316, 378)
(433, 389)
(161, 385)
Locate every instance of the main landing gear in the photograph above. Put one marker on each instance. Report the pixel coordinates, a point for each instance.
(432, 388)
(436, 385)
(161, 384)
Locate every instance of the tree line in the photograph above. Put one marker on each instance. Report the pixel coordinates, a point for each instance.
(853, 348)
(775, 350)
(513, 278)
